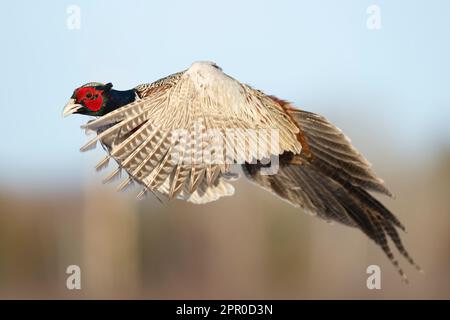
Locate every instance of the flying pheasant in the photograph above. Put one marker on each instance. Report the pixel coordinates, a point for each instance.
(184, 135)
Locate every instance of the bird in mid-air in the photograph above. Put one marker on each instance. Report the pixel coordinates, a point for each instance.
(184, 135)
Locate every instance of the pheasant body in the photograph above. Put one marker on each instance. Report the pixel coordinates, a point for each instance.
(184, 135)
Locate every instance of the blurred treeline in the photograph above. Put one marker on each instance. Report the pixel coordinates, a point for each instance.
(251, 245)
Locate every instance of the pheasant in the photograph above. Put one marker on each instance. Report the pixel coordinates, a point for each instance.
(185, 135)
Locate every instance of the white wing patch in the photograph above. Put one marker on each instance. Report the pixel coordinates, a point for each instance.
(187, 132)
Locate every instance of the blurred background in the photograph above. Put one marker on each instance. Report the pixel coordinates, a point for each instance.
(378, 69)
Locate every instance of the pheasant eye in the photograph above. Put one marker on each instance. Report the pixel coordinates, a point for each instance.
(89, 95)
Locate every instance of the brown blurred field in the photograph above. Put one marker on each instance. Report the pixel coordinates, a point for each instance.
(251, 245)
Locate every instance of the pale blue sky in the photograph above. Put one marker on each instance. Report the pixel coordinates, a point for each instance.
(387, 88)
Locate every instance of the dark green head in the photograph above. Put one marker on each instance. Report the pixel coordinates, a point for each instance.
(97, 99)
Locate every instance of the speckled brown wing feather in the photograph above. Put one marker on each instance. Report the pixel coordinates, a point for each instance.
(145, 137)
(330, 179)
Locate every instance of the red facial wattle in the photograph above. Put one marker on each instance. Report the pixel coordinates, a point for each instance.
(90, 97)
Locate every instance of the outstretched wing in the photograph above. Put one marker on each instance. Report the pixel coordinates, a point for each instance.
(190, 128)
(330, 179)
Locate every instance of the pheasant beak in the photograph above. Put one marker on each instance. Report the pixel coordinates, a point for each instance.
(71, 107)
